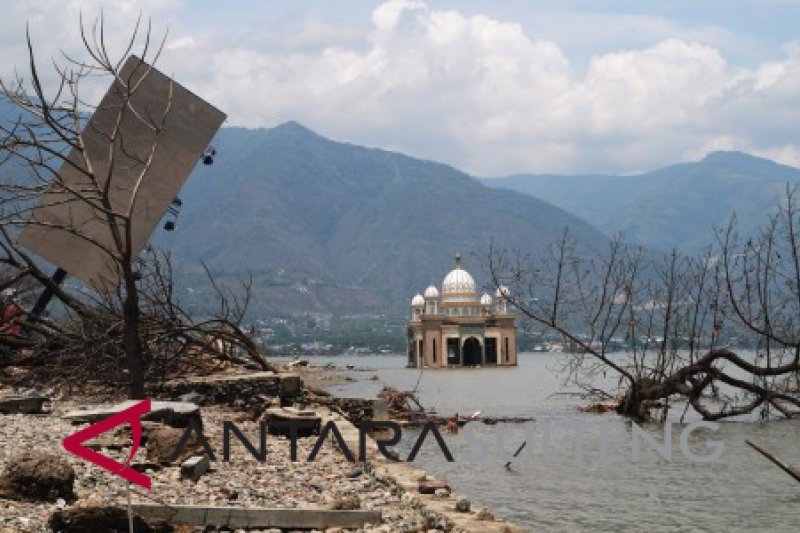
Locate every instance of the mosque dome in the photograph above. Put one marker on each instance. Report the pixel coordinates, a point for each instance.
(431, 292)
(417, 301)
(458, 284)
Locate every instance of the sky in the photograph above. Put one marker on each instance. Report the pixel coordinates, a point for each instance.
(492, 88)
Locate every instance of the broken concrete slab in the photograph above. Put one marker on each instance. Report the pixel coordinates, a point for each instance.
(30, 405)
(175, 414)
(265, 376)
(307, 422)
(194, 467)
(257, 517)
(430, 486)
(235, 389)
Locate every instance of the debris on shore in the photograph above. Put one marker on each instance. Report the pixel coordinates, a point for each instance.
(193, 486)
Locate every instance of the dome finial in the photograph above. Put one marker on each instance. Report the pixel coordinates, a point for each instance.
(458, 260)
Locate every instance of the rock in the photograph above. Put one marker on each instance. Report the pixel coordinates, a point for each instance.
(430, 486)
(194, 467)
(442, 493)
(484, 514)
(95, 519)
(161, 443)
(355, 472)
(37, 476)
(346, 503)
(463, 505)
(289, 385)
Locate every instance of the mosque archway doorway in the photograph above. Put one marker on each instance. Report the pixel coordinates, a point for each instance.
(471, 352)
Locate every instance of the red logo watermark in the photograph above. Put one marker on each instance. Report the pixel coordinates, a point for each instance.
(74, 443)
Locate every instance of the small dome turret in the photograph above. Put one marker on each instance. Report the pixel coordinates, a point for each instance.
(417, 301)
(431, 292)
(486, 300)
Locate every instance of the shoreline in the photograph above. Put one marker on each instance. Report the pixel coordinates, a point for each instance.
(326, 483)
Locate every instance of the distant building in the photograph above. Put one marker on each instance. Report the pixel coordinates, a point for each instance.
(458, 328)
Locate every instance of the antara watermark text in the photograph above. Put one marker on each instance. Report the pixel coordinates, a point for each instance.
(479, 449)
(330, 432)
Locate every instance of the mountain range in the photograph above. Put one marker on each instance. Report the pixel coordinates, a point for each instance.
(675, 206)
(330, 227)
(333, 228)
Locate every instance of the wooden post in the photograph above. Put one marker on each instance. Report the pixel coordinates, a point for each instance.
(521, 446)
(780, 464)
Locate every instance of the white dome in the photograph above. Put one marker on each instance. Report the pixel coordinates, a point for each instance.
(431, 292)
(486, 299)
(458, 281)
(502, 292)
(417, 301)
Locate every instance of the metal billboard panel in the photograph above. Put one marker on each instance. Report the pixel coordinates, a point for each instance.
(159, 137)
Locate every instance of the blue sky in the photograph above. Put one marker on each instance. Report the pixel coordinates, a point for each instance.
(490, 87)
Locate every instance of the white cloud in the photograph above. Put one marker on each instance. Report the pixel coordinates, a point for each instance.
(488, 95)
(55, 33)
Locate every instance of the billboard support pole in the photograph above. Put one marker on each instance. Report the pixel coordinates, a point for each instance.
(47, 294)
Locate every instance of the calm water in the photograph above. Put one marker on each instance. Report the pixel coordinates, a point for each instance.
(739, 491)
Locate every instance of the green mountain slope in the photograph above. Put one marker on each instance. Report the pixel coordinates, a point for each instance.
(676, 206)
(332, 227)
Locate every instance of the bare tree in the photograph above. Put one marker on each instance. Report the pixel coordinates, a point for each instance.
(92, 177)
(661, 323)
(83, 344)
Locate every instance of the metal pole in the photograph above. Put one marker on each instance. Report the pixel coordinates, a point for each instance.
(47, 294)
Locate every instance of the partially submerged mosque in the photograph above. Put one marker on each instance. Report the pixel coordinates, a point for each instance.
(458, 328)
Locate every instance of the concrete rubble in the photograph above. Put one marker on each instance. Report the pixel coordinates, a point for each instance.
(385, 493)
(10, 405)
(175, 414)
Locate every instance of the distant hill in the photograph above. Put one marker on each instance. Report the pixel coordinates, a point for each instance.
(676, 206)
(331, 227)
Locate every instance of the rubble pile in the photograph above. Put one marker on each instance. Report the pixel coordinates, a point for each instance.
(241, 482)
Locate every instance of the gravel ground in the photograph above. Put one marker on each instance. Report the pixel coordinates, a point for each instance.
(242, 482)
